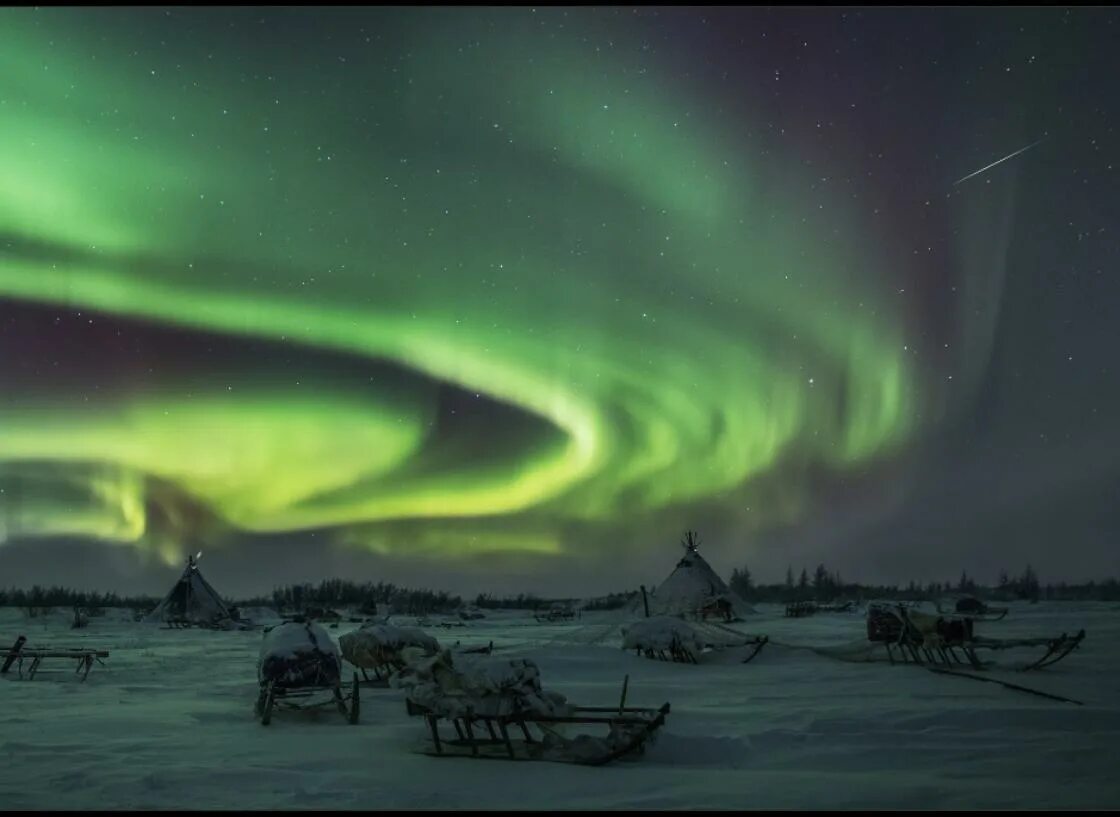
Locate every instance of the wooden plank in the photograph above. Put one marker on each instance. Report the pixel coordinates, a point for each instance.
(44, 652)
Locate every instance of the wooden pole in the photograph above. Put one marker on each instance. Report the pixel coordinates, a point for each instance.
(645, 601)
(1007, 684)
(13, 653)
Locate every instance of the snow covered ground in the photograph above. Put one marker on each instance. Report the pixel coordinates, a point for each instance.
(169, 724)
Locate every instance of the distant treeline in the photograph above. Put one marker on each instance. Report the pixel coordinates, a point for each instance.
(522, 601)
(825, 586)
(43, 597)
(611, 601)
(329, 593)
(384, 596)
(381, 596)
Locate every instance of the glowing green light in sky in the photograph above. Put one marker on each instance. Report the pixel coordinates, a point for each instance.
(541, 227)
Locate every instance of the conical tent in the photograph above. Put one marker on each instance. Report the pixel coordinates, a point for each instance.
(693, 588)
(191, 599)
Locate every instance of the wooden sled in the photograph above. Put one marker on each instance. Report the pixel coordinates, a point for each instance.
(380, 679)
(19, 652)
(300, 668)
(275, 696)
(677, 653)
(667, 639)
(225, 624)
(800, 609)
(683, 655)
(639, 725)
(911, 637)
(553, 616)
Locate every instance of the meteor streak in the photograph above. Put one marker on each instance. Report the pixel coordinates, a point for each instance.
(999, 161)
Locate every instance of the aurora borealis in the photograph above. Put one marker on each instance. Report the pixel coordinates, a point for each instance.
(536, 285)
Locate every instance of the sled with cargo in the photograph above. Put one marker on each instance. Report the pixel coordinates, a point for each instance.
(913, 637)
(498, 710)
(668, 638)
(558, 612)
(800, 609)
(300, 669)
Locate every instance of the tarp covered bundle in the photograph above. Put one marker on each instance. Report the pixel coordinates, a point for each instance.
(378, 645)
(949, 630)
(970, 604)
(477, 686)
(193, 600)
(885, 623)
(661, 633)
(299, 653)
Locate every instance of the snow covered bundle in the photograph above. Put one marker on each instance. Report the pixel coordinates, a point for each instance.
(662, 633)
(378, 645)
(296, 654)
(476, 685)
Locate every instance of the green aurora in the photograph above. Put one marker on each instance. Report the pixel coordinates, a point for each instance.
(554, 225)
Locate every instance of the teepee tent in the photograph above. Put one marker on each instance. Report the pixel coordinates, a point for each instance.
(693, 588)
(192, 599)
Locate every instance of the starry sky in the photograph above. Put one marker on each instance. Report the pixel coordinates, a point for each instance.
(504, 299)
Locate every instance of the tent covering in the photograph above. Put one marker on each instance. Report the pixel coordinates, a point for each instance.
(690, 588)
(193, 600)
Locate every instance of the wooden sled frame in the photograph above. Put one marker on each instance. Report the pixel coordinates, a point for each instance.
(184, 624)
(18, 653)
(276, 696)
(986, 614)
(911, 646)
(388, 662)
(800, 609)
(683, 655)
(553, 617)
(650, 720)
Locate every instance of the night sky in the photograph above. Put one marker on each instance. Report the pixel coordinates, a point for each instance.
(505, 299)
